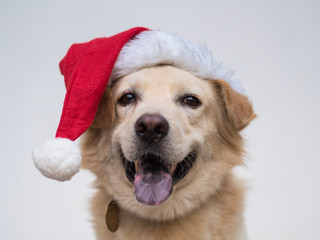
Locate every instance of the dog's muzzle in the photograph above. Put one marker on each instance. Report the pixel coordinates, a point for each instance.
(153, 177)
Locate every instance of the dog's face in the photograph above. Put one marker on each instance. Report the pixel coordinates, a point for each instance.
(172, 139)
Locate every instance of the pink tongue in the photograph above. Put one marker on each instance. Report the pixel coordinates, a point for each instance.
(153, 185)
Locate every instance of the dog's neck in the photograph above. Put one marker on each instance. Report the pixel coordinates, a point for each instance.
(214, 218)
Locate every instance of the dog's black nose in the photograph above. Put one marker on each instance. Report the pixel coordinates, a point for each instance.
(151, 128)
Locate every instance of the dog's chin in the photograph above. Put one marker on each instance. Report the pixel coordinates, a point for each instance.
(153, 178)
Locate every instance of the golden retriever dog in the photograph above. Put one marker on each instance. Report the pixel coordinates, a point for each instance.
(162, 147)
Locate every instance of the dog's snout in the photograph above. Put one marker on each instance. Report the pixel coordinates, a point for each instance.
(151, 127)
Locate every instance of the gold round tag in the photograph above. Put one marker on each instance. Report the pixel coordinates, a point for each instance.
(112, 216)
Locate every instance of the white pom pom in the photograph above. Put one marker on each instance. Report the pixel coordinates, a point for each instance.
(57, 158)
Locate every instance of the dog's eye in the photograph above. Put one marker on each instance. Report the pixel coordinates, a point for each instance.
(126, 99)
(191, 101)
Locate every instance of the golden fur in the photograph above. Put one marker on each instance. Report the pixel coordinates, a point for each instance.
(208, 202)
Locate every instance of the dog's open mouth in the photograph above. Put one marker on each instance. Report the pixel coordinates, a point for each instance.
(153, 178)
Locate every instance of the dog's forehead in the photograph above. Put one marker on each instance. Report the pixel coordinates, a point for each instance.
(162, 80)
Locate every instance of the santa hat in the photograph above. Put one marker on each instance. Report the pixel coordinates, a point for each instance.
(89, 67)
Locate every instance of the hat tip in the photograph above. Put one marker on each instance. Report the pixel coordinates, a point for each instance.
(57, 158)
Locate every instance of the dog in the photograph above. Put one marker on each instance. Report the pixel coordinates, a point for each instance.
(162, 147)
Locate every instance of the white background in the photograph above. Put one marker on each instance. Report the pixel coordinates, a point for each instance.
(273, 45)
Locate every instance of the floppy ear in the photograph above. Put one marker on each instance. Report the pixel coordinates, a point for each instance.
(238, 108)
(106, 114)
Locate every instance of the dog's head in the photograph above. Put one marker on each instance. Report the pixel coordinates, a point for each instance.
(163, 139)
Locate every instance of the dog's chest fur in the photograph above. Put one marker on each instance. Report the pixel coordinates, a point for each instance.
(219, 218)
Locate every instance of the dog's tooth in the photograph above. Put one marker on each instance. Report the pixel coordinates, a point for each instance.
(172, 168)
(137, 165)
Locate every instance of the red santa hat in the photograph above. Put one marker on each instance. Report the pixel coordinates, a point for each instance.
(89, 67)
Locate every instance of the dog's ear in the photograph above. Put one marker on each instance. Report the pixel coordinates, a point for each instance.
(238, 108)
(106, 114)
